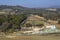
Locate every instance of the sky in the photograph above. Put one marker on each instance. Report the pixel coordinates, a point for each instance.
(31, 3)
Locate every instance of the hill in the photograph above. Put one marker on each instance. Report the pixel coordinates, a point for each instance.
(11, 17)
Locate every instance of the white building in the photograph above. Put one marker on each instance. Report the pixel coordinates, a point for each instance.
(51, 27)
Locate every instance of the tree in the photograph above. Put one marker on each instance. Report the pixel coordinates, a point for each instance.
(58, 21)
(28, 25)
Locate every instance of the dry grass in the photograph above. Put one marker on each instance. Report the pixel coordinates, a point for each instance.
(32, 38)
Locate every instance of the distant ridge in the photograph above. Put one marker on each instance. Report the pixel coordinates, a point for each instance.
(12, 7)
(56, 6)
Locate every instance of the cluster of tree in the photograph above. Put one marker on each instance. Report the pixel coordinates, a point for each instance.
(9, 23)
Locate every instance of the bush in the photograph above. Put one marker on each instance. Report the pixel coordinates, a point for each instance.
(58, 21)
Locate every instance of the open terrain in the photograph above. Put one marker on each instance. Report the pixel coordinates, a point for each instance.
(52, 37)
(9, 23)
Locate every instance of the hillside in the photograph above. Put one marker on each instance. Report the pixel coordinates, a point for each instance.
(11, 17)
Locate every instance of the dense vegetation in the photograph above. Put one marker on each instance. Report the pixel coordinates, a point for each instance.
(9, 23)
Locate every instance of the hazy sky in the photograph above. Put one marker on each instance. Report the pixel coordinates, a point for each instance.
(31, 3)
